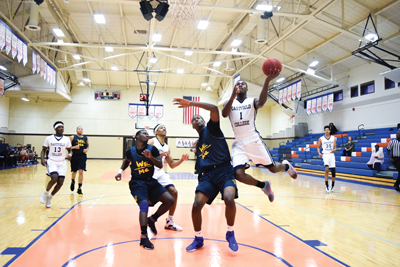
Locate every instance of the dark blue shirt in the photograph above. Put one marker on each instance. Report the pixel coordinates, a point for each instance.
(81, 141)
(141, 167)
(211, 148)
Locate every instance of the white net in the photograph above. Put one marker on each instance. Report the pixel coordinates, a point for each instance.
(183, 12)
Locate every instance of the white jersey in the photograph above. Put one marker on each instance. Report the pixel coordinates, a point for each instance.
(327, 144)
(242, 117)
(56, 146)
(161, 148)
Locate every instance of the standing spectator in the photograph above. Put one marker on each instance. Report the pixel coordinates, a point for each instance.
(333, 129)
(394, 146)
(376, 159)
(4, 157)
(349, 147)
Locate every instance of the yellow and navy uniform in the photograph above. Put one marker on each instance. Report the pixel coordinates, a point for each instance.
(142, 184)
(213, 162)
(78, 159)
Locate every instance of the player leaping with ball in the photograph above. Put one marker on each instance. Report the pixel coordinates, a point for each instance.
(248, 143)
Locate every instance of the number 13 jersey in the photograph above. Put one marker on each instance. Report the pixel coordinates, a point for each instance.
(57, 146)
(242, 117)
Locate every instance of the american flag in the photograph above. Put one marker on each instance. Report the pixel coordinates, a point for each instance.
(189, 112)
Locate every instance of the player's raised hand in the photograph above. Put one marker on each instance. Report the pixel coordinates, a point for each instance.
(236, 90)
(146, 153)
(118, 177)
(185, 157)
(182, 103)
(274, 72)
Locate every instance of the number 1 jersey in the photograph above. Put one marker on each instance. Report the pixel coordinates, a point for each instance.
(242, 117)
(56, 146)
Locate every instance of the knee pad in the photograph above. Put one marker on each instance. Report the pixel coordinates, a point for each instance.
(333, 171)
(144, 206)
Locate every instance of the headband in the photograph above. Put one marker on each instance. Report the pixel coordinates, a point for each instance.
(158, 126)
(58, 124)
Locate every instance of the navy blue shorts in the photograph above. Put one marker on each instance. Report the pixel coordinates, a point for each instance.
(150, 190)
(78, 162)
(213, 182)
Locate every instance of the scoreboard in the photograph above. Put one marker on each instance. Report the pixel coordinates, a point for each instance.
(105, 95)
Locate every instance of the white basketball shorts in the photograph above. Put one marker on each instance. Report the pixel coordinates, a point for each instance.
(163, 178)
(329, 160)
(59, 167)
(251, 147)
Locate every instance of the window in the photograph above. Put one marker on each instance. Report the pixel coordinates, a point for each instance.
(338, 96)
(354, 91)
(389, 84)
(367, 88)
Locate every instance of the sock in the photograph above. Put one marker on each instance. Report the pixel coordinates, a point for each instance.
(327, 184)
(230, 228)
(143, 230)
(155, 217)
(80, 185)
(198, 234)
(286, 167)
(171, 218)
(73, 181)
(260, 184)
(333, 184)
(47, 192)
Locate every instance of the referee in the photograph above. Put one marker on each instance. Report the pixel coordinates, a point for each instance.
(394, 146)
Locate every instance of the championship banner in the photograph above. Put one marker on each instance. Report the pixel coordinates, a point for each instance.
(284, 95)
(185, 142)
(54, 76)
(41, 67)
(24, 53)
(330, 102)
(2, 35)
(309, 108)
(48, 73)
(159, 111)
(141, 111)
(280, 97)
(44, 70)
(1, 87)
(324, 103)
(294, 88)
(8, 41)
(289, 94)
(319, 102)
(298, 93)
(151, 112)
(14, 44)
(133, 110)
(19, 50)
(38, 64)
(314, 106)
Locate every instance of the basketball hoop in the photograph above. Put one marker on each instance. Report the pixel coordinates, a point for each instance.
(147, 127)
(183, 12)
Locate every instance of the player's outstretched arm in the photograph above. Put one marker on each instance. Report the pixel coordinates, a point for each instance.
(173, 164)
(183, 103)
(264, 92)
(228, 104)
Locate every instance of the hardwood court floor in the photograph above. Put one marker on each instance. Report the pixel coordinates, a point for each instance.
(357, 225)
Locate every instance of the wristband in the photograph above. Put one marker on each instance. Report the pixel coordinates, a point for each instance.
(120, 171)
(70, 154)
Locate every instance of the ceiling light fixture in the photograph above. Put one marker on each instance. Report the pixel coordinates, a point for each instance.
(217, 63)
(58, 32)
(264, 7)
(280, 80)
(314, 63)
(204, 84)
(109, 49)
(236, 42)
(153, 60)
(114, 67)
(202, 25)
(2, 68)
(86, 80)
(180, 71)
(99, 18)
(372, 37)
(156, 37)
(209, 88)
(77, 57)
(188, 53)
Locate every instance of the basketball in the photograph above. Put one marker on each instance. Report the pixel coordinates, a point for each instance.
(271, 63)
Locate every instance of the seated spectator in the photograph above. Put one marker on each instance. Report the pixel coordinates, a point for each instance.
(376, 159)
(349, 147)
(333, 129)
(3, 157)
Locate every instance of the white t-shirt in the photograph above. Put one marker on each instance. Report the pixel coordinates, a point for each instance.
(57, 146)
(327, 144)
(161, 148)
(242, 117)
